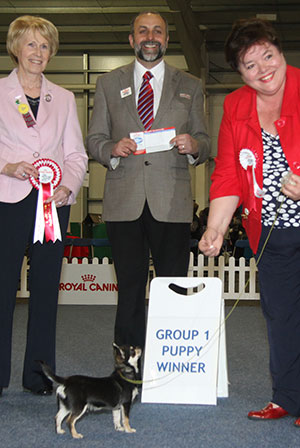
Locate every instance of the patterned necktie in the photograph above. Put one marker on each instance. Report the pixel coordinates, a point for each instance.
(145, 101)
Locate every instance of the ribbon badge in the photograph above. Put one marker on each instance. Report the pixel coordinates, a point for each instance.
(248, 160)
(24, 110)
(46, 221)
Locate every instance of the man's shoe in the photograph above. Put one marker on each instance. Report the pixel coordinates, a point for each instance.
(270, 412)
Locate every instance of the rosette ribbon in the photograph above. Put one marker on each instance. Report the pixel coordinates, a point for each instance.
(248, 162)
(46, 220)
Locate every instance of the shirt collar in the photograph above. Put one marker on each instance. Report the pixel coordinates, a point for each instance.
(157, 71)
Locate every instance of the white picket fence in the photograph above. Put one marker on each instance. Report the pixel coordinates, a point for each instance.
(239, 277)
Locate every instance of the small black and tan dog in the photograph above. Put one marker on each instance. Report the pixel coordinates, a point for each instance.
(77, 394)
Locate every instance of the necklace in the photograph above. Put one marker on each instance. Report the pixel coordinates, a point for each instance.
(33, 101)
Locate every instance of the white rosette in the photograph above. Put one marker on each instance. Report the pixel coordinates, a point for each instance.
(247, 159)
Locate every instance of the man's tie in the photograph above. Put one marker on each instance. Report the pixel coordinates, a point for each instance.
(145, 101)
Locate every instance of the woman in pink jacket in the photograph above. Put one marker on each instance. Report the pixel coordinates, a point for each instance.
(42, 165)
(258, 167)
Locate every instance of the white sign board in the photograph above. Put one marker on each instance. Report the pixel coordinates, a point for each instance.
(185, 353)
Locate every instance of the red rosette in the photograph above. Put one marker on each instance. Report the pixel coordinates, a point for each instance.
(46, 222)
(49, 165)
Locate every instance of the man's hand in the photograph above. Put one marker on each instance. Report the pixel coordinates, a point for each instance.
(185, 144)
(124, 148)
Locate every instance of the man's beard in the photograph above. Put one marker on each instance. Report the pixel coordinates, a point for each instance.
(149, 57)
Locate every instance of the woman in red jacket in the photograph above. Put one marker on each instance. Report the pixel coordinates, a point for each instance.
(258, 166)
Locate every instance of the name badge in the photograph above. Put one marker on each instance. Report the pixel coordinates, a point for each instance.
(126, 92)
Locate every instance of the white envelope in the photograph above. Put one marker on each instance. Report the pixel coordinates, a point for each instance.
(155, 140)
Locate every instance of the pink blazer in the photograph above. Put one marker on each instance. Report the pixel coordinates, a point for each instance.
(56, 135)
(240, 130)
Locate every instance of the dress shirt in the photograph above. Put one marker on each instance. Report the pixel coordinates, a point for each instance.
(156, 82)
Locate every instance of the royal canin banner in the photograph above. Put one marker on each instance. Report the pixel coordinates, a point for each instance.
(90, 284)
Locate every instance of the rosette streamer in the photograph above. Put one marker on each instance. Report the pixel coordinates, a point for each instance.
(248, 162)
(46, 221)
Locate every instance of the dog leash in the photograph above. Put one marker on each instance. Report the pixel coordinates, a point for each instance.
(140, 382)
(258, 258)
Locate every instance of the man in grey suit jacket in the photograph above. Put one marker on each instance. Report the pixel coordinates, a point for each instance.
(148, 203)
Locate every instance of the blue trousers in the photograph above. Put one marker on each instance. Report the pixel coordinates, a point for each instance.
(279, 279)
(16, 230)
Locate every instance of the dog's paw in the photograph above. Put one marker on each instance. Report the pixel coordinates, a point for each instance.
(60, 431)
(130, 430)
(119, 428)
(77, 435)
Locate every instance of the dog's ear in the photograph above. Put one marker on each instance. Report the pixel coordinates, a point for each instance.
(119, 353)
(116, 348)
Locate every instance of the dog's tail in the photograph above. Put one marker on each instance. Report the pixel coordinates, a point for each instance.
(51, 375)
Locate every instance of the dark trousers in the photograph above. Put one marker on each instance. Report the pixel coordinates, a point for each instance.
(279, 278)
(16, 230)
(131, 245)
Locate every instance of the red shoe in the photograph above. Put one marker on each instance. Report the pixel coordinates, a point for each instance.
(297, 422)
(270, 412)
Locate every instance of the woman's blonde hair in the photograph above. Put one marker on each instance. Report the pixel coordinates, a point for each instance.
(22, 25)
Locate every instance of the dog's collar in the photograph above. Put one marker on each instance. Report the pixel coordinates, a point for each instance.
(129, 380)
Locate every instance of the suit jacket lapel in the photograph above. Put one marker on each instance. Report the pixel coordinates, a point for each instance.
(17, 96)
(171, 80)
(46, 102)
(127, 80)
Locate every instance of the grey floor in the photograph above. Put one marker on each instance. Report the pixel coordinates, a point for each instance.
(84, 337)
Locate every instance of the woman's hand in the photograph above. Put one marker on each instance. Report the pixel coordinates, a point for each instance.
(211, 242)
(60, 196)
(221, 211)
(20, 170)
(291, 187)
